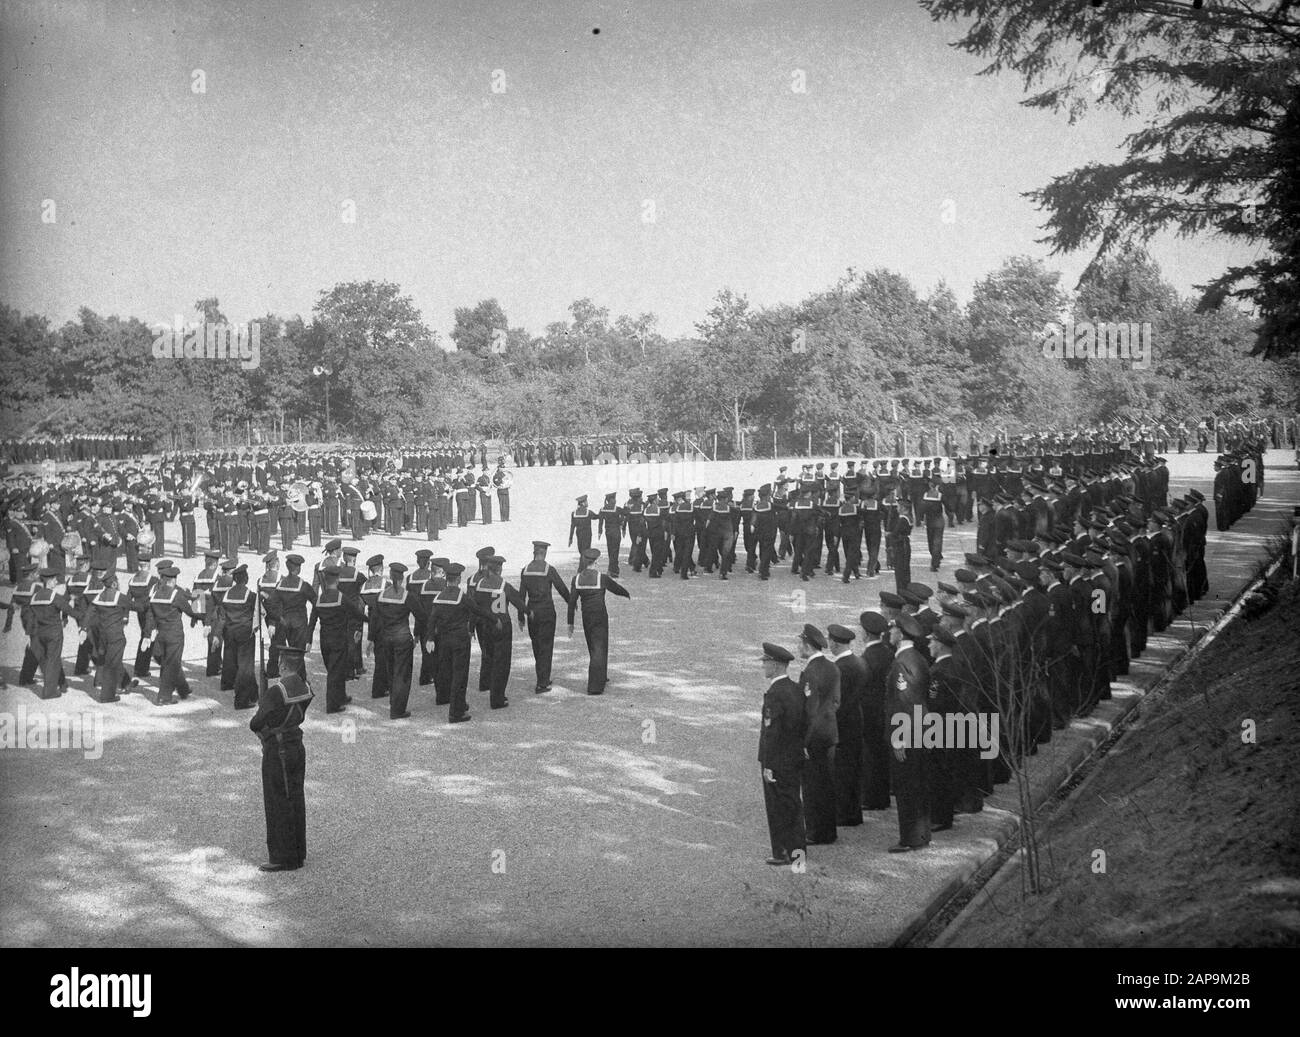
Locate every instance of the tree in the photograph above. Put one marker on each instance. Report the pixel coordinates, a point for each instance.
(476, 328)
(1221, 154)
(386, 361)
(1010, 379)
(719, 383)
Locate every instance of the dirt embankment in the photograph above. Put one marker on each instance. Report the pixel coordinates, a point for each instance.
(1197, 810)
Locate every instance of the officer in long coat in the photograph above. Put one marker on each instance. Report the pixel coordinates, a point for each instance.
(781, 756)
(848, 726)
(907, 686)
(877, 657)
(820, 685)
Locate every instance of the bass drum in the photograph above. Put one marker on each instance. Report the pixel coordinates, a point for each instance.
(71, 544)
(146, 539)
(39, 552)
(368, 510)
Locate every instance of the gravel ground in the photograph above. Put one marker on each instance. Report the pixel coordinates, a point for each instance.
(635, 818)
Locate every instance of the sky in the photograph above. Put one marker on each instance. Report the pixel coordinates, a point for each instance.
(510, 150)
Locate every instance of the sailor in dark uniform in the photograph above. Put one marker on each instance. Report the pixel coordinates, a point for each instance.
(589, 587)
(536, 581)
(451, 615)
(580, 520)
(332, 612)
(278, 723)
(235, 623)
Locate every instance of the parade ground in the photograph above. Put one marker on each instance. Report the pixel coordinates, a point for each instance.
(634, 818)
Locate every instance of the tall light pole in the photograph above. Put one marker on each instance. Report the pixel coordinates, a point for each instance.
(321, 371)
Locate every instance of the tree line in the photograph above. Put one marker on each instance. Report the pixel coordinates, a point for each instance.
(870, 353)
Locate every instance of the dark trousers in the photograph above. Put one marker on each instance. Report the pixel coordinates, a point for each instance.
(142, 658)
(875, 767)
(968, 780)
(766, 555)
(785, 822)
(284, 764)
(216, 656)
(683, 544)
(541, 631)
(613, 544)
(852, 554)
(637, 557)
(940, 784)
(1086, 680)
(314, 526)
(237, 668)
(457, 671)
(288, 530)
(503, 500)
(819, 795)
(934, 540)
(658, 552)
(832, 542)
(807, 556)
(110, 673)
(848, 779)
(429, 664)
(171, 675)
(82, 666)
(48, 649)
(189, 537)
(355, 667)
(871, 531)
(380, 681)
(499, 673)
(596, 629)
(396, 659)
(726, 549)
(335, 657)
(483, 632)
(908, 778)
(902, 569)
(1061, 690)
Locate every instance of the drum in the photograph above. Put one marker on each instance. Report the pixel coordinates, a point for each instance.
(146, 539)
(71, 544)
(368, 510)
(39, 550)
(297, 497)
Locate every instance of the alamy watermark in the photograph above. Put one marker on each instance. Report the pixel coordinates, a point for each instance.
(922, 730)
(23, 730)
(209, 340)
(1098, 340)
